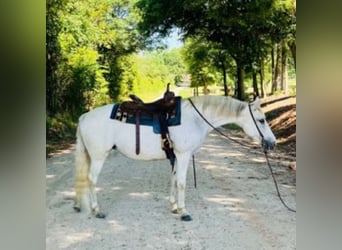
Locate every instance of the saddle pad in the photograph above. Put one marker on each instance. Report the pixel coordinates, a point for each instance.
(148, 120)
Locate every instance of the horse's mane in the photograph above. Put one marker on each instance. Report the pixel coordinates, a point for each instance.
(218, 105)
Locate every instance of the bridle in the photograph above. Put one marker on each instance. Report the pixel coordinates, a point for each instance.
(228, 137)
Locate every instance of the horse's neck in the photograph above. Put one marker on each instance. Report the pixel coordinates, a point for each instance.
(217, 114)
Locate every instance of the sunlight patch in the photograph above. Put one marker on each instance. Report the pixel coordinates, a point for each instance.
(68, 193)
(140, 194)
(260, 160)
(116, 226)
(225, 200)
(76, 237)
(234, 154)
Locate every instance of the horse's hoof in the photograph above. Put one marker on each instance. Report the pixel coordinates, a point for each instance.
(100, 215)
(77, 209)
(186, 217)
(174, 211)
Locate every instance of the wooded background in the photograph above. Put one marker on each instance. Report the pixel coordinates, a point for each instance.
(97, 52)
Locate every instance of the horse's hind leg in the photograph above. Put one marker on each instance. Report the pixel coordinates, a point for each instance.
(95, 169)
(81, 174)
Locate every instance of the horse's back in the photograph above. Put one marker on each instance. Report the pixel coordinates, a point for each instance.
(102, 112)
(100, 133)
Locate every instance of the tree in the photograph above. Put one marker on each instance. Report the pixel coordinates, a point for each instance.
(174, 62)
(237, 26)
(282, 37)
(122, 39)
(87, 42)
(200, 57)
(153, 70)
(53, 52)
(222, 61)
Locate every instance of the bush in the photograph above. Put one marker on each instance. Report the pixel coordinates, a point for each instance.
(60, 127)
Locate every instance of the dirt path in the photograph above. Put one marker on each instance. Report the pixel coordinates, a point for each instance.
(234, 206)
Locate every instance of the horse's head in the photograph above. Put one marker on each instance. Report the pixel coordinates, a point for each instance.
(254, 124)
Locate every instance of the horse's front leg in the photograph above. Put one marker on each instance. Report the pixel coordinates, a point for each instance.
(173, 192)
(182, 169)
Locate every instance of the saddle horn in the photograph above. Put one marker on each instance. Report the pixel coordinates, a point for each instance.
(168, 95)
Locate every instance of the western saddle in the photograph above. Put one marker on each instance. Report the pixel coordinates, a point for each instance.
(161, 109)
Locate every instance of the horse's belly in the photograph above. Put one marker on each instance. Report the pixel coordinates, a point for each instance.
(149, 144)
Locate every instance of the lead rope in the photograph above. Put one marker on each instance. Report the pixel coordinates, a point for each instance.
(276, 185)
(194, 168)
(228, 137)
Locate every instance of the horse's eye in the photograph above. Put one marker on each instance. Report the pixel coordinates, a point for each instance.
(262, 121)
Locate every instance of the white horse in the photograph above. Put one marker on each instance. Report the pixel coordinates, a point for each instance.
(97, 135)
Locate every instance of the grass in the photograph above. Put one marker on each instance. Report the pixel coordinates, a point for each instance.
(186, 92)
(233, 126)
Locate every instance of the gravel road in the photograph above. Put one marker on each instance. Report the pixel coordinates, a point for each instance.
(235, 205)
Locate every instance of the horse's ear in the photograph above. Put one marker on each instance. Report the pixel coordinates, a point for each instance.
(256, 102)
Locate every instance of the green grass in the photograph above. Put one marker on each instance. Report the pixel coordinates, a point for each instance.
(189, 92)
(150, 92)
(186, 92)
(233, 126)
(148, 96)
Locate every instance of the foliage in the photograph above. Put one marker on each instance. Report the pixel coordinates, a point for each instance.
(60, 131)
(88, 44)
(155, 69)
(87, 47)
(61, 126)
(240, 28)
(199, 59)
(53, 51)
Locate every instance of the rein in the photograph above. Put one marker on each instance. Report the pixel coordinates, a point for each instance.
(228, 137)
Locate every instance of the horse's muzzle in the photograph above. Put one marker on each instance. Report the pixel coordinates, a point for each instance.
(268, 145)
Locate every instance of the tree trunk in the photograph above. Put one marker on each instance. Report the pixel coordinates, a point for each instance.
(275, 83)
(284, 77)
(51, 86)
(262, 84)
(292, 46)
(240, 82)
(255, 85)
(224, 72)
(205, 89)
(272, 67)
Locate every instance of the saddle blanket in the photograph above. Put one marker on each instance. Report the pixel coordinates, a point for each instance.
(148, 120)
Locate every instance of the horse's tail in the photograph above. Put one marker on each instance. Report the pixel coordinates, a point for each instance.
(82, 184)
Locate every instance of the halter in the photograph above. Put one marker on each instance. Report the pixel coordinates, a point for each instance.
(250, 111)
(256, 125)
